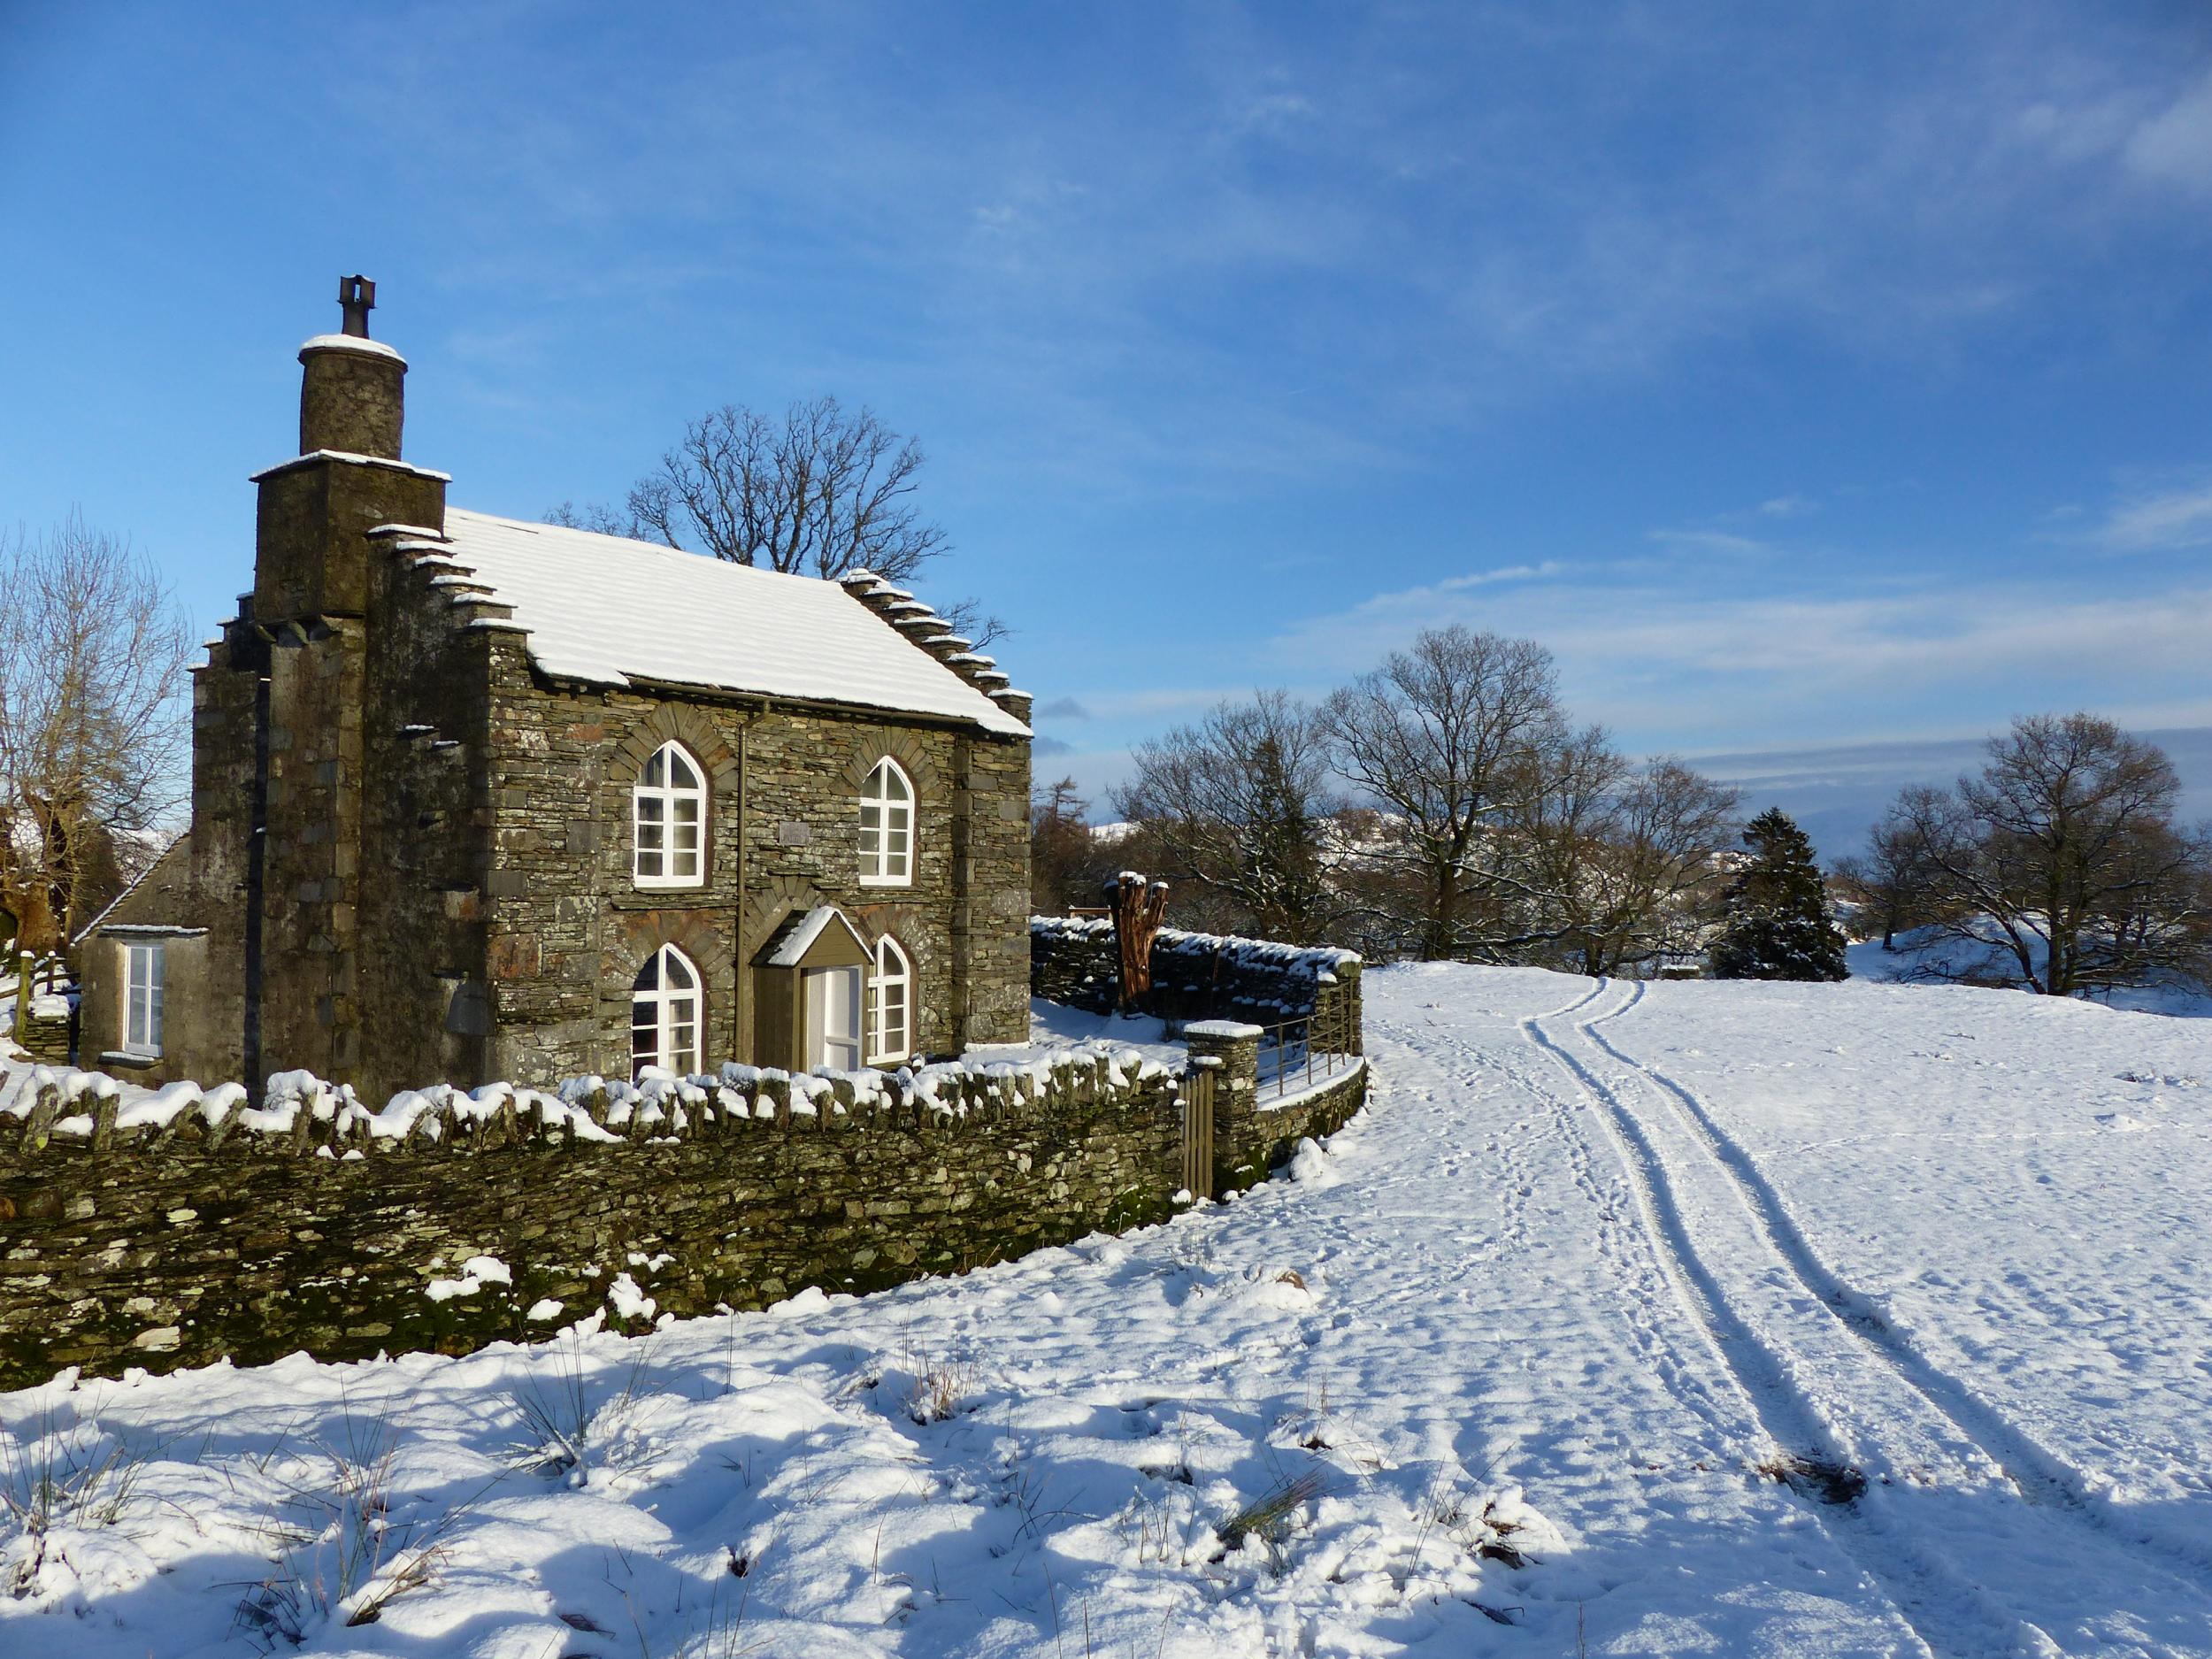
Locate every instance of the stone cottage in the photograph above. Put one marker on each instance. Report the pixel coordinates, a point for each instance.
(477, 798)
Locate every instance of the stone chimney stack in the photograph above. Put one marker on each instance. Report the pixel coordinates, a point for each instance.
(320, 582)
(352, 397)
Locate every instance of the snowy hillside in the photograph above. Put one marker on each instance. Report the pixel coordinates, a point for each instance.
(1695, 1318)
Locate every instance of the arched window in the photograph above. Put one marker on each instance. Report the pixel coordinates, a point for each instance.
(886, 827)
(891, 1006)
(669, 813)
(664, 1014)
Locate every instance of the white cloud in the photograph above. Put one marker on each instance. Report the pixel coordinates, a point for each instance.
(1707, 541)
(1503, 573)
(2173, 518)
(2174, 146)
(1676, 668)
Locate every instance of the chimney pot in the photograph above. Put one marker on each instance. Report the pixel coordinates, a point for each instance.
(352, 389)
(356, 298)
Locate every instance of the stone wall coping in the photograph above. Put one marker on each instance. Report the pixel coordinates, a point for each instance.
(1235, 1030)
(1259, 952)
(304, 1114)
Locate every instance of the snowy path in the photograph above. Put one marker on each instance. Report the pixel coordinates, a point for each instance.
(1945, 1501)
(1582, 1245)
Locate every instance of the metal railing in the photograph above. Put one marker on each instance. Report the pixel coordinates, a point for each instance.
(1299, 1053)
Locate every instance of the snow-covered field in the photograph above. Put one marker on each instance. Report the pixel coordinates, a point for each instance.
(1713, 1319)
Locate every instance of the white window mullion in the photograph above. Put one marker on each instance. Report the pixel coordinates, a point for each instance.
(667, 1014)
(669, 821)
(890, 1005)
(886, 827)
(142, 977)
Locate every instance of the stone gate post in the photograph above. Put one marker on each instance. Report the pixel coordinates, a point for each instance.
(1231, 1049)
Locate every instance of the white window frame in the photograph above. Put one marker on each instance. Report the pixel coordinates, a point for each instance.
(887, 845)
(658, 812)
(893, 970)
(846, 987)
(669, 1005)
(145, 965)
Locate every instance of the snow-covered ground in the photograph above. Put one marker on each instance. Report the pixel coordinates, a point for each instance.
(1054, 1025)
(1926, 958)
(1689, 1317)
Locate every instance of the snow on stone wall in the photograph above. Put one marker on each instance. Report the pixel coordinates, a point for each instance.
(312, 1115)
(1073, 960)
(180, 1226)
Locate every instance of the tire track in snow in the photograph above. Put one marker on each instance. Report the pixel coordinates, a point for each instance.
(1948, 1614)
(2040, 1475)
(1627, 1247)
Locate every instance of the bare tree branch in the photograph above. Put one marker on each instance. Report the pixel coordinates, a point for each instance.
(2064, 848)
(92, 729)
(821, 492)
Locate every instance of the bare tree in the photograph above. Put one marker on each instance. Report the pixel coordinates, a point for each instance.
(594, 516)
(2061, 857)
(1065, 868)
(1616, 860)
(92, 729)
(1891, 883)
(1238, 806)
(1454, 740)
(821, 492)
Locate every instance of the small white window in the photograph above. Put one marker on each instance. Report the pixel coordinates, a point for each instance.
(890, 1004)
(886, 827)
(142, 966)
(669, 813)
(665, 1015)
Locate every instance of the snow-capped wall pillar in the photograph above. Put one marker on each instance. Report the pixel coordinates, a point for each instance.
(1227, 1053)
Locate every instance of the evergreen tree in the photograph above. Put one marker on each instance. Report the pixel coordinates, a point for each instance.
(1774, 916)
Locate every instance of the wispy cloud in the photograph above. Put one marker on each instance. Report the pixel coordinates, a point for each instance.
(2175, 145)
(1502, 573)
(2169, 518)
(1063, 709)
(1675, 666)
(1708, 541)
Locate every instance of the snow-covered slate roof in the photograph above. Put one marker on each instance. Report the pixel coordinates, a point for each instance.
(606, 610)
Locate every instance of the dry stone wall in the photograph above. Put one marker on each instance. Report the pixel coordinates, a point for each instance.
(178, 1229)
(174, 1230)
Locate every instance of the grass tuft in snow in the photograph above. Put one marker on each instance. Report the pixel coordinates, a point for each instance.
(1270, 1516)
(344, 1555)
(941, 1388)
(55, 1477)
(569, 1419)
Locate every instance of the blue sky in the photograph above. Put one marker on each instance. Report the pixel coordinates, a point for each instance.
(1802, 375)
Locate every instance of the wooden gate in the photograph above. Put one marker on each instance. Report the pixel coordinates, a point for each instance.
(1198, 1131)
